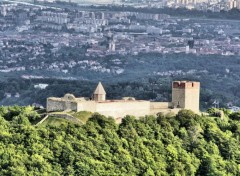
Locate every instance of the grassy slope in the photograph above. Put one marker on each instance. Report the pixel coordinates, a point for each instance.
(82, 115)
(55, 121)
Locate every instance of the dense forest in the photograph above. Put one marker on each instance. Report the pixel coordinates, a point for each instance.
(146, 76)
(154, 89)
(183, 144)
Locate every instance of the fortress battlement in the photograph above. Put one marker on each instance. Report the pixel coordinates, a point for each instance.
(185, 95)
(186, 85)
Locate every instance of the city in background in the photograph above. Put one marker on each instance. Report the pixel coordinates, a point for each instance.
(44, 40)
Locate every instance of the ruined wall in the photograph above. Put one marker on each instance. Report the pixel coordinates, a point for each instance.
(53, 105)
(71, 106)
(122, 108)
(57, 104)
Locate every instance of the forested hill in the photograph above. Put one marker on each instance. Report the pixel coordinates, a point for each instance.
(182, 145)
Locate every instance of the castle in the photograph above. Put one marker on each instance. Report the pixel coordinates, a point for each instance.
(185, 95)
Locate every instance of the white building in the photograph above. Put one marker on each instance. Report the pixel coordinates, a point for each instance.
(154, 30)
(54, 17)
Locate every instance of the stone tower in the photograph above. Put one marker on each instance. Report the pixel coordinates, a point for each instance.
(99, 94)
(185, 94)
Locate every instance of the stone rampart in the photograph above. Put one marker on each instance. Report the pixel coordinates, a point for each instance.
(119, 109)
(54, 105)
(87, 106)
(58, 104)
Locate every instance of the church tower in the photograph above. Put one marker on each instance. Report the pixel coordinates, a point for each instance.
(186, 95)
(99, 94)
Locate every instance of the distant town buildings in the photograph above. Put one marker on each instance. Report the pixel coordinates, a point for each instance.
(5, 8)
(37, 37)
(203, 5)
(53, 17)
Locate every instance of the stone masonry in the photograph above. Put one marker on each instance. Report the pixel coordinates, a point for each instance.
(185, 95)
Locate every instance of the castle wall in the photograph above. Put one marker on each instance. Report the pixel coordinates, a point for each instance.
(86, 106)
(72, 106)
(54, 104)
(123, 108)
(185, 94)
(164, 111)
(160, 105)
(192, 99)
(178, 98)
(99, 97)
(156, 107)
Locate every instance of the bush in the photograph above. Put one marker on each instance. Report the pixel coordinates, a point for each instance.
(235, 116)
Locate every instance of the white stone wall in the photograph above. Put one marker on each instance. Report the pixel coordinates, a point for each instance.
(156, 107)
(192, 99)
(87, 106)
(160, 105)
(187, 96)
(121, 108)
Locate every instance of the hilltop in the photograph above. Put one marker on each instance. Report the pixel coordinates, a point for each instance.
(182, 144)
